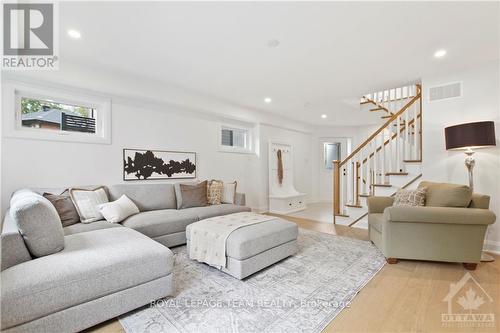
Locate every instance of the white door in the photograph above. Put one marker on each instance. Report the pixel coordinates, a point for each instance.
(329, 150)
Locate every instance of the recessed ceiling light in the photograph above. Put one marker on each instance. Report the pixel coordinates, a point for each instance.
(439, 53)
(273, 43)
(268, 100)
(75, 34)
(324, 116)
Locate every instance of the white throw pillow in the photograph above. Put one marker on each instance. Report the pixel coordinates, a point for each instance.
(86, 202)
(118, 210)
(229, 193)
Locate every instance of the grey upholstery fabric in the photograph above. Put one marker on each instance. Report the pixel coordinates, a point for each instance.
(251, 240)
(146, 196)
(171, 240)
(241, 269)
(217, 210)
(449, 215)
(84, 227)
(82, 316)
(376, 220)
(38, 223)
(92, 265)
(13, 249)
(161, 222)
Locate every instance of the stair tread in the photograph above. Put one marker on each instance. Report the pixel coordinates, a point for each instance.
(396, 173)
(365, 195)
(412, 161)
(382, 185)
(341, 215)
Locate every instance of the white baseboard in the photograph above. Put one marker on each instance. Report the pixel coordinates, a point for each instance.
(492, 246)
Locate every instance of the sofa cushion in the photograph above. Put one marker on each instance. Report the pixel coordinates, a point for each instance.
(446, 195)
(217, 210)
(92, 265)
(84, 227)
(157, 223)
(38, 223)
(376, 221)
(146, 196)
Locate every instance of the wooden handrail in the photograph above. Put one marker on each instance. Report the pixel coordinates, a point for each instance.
(401, 130)
(384, 126)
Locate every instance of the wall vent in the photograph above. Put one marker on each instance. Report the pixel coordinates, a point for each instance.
(445, 91)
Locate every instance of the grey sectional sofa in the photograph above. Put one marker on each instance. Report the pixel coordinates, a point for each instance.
(104, 269)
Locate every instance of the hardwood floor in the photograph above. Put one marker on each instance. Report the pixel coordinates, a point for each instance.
(405, 297)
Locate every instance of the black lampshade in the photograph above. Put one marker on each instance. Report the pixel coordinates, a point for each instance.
(470, 135)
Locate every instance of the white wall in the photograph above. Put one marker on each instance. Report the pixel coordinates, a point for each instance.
(140, 122)
(480, 101)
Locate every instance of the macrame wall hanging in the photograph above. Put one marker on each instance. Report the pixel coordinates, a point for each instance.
(280, 167)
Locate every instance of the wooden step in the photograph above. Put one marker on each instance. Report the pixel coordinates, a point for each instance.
(412, 161)
(396, 173)
(365, 102)
(377, 109)
(354, 206)
(382, 185)
(341, 215)
(364, 195)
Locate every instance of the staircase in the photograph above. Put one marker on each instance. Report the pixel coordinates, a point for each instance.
(389, 159)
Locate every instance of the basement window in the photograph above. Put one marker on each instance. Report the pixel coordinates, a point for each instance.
(234, 139)
(54, 113)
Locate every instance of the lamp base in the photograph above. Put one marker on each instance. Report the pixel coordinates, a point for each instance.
(485, 257)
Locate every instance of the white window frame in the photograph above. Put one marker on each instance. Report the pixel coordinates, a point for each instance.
(12, 93)
(248, 142)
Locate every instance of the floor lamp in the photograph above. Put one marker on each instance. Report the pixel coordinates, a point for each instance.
(468, 137)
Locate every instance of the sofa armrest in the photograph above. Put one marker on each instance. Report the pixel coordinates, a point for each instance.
(13, 249)
(449, 215)
(480, 201)
(378, 204)
(240, 199)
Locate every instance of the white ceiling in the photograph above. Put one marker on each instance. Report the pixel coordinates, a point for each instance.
(329, 53)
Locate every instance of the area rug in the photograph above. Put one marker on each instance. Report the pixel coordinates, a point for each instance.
(302, 293)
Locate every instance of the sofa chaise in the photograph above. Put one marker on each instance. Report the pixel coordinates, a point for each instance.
(98, 270)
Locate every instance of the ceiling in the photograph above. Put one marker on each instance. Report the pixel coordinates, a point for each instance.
(329, 54)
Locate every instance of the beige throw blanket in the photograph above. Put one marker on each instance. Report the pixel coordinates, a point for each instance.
(207, 238)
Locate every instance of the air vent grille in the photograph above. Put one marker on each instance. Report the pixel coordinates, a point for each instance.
(446, 91)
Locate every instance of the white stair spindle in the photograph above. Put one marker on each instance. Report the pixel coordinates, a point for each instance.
(361, 171)
(382, 157)
(407, 135)
(375, 159)
(415, 138)
(398, 144)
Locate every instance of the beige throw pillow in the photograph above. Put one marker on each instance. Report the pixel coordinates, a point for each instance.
(229, 193)
(410, 197)
(446, 195)
(214, 192)
(87, 202)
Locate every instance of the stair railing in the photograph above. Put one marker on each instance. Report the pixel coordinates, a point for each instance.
(384, 152)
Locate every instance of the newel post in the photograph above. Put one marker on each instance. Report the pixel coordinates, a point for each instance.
(336, 188)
